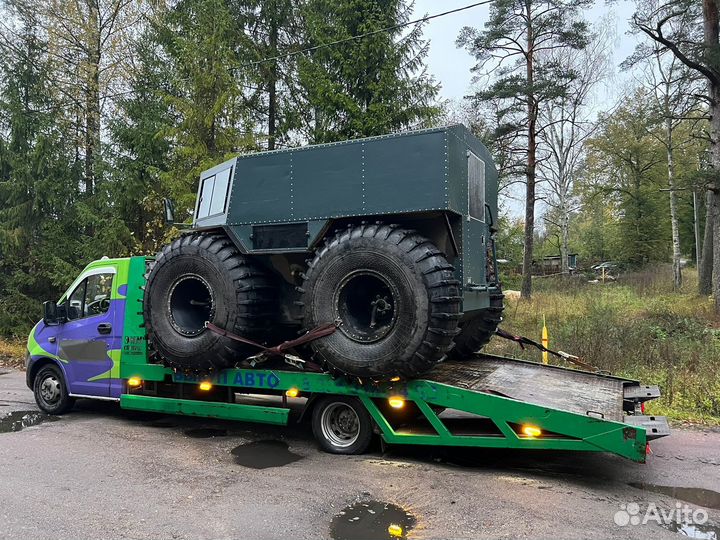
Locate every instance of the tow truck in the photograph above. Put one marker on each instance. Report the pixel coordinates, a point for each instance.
(92, 344)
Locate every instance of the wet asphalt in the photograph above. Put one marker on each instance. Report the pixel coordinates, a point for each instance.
(99, 472)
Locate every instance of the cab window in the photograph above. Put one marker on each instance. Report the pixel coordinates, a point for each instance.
(91, 297)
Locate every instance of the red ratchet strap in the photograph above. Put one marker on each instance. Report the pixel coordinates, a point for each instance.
(278, 350)
(522, 341)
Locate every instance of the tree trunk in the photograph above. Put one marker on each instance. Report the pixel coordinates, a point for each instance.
(677, 270)
(705, 265)
(564, 239)
(92, 97)
(711, 35)
(526, 287)
(272, 82)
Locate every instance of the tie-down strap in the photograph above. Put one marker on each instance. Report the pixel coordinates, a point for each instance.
(522, 341)
(278, 350)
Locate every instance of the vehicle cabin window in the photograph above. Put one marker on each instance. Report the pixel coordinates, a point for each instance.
(213, 194)
(91, 297)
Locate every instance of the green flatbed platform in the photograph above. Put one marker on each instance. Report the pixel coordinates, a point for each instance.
(486, 401)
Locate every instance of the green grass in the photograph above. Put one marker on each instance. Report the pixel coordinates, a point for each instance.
(637, 328)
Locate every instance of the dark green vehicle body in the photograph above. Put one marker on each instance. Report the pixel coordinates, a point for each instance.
(441, 182)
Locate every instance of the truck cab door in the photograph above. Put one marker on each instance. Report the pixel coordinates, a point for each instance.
(89, 333)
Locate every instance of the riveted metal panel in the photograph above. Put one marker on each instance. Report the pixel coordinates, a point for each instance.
(263, 188)
(328, 180)
(405, 174)
(399, 173)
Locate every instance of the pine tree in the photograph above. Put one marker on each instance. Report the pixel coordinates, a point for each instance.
(198, 41)
(363, 87)
(273, 29)
(514, 49)
(142, 153)
(37, 185)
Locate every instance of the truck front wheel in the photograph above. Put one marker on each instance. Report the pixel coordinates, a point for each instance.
(51, 393)
(342, 425)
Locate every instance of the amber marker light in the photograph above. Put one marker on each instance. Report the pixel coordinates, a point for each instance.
(292, 392)
(396, 402)
(531, 431)
(205, 385)
(134, 381)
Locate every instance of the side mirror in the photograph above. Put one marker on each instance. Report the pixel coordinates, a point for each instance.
(50, 313)
(169, 208)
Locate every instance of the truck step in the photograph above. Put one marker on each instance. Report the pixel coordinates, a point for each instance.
(640, 393)
(655, 426)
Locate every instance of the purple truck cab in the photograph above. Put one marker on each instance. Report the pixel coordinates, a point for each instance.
(81, 334)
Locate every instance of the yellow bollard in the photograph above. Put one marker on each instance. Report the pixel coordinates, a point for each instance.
(545, 342)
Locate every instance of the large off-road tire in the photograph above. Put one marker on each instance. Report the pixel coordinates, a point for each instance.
(199, 278)
(478, 328)
(399, 276)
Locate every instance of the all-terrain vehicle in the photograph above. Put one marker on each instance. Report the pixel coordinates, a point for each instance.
(390, 238)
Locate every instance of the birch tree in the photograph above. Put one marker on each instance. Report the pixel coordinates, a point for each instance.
(673, 87)
(569, 123)
(88, 40)
(690, 30)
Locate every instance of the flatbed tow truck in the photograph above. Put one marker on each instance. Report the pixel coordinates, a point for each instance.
(99, 350)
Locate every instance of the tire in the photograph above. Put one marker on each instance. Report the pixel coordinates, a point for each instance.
(479, 328)
(51, 391)
(199, 278)
(399, 276)
(342, 425)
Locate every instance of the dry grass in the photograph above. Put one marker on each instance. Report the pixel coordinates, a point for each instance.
(638, 328)
(12, 353)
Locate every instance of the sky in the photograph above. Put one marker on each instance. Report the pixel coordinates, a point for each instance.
(451, 66)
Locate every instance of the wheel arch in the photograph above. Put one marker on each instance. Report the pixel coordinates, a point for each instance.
(442, 228)
(40, 363)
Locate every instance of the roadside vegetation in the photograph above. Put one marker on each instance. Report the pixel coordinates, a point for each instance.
(636, 327)
(12, 353)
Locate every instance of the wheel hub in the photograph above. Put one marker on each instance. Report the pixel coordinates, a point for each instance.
(366, 303)
(50, 389)
(340, 424)
(190, 304)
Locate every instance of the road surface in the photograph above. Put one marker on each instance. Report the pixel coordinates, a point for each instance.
(99, 472)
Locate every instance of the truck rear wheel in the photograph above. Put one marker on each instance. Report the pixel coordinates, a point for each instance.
(479, 328)
(200, 278)
(395, 296)
(342, 425)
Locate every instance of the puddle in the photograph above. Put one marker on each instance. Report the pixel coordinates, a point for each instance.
(703, 532)
(17, 420)
(371, 520)
(205, 433)
(702, 497)
(264, 454)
